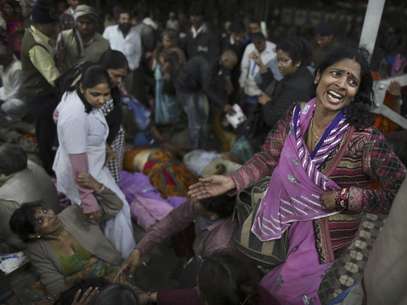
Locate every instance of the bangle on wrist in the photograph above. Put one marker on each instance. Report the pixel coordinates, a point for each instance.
(342, 199)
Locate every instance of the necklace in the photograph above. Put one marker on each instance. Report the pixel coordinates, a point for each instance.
(313, 137)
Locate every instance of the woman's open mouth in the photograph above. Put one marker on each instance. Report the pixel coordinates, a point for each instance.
(335, 97)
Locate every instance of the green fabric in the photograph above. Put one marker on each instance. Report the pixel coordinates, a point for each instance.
(82, 262)
(33, 83)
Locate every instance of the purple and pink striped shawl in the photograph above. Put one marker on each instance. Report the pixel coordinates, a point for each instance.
(296, 184)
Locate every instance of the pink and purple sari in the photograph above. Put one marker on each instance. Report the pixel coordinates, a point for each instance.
(292, 202)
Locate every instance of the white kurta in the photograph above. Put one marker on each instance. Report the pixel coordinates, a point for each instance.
(130, 45)
(80, 132)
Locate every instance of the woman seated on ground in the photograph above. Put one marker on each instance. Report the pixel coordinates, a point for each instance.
(327, 166)
(82, 134)
(67, 247)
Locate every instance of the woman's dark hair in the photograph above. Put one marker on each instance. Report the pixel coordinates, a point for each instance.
(172, 35)
(22, 222)
(116, 294)
(297, 48)
(93, 76)
(67, 297)
(222, 205)
(171, 57)
(174, 61)
(12, 159)
(227, 279)
(113, 59)
(358, 112)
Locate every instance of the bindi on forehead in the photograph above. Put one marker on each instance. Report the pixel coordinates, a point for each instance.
(346, 72)
(348, 66)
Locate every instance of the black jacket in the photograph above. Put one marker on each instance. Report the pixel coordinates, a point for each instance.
(199, 76)
(291, 89)
(206, 44)
(114, 117)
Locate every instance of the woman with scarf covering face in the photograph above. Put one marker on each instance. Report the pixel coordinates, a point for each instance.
(327, 166)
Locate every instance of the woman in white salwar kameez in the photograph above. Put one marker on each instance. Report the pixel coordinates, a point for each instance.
(82, 133)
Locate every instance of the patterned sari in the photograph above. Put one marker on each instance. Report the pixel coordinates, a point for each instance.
(292, 203)
(169, 176)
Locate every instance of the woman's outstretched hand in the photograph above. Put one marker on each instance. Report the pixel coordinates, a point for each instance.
(211, 186)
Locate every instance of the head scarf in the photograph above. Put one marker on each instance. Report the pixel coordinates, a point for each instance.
(85, 10)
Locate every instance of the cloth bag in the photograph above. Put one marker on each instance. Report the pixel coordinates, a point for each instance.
(267, 254)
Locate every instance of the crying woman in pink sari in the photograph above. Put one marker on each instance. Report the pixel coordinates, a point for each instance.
(328, 165)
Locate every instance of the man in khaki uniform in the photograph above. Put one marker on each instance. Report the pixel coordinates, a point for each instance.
(82, 43)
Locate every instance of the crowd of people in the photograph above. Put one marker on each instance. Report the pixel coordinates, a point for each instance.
(259, 159)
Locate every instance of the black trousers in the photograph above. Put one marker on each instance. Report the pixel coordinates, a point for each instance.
(42, 108)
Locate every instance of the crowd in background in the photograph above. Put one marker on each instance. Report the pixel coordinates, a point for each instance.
(114, 121)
